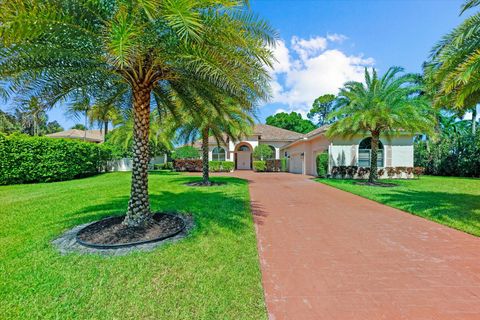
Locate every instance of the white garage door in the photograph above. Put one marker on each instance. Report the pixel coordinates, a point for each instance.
(296, 163)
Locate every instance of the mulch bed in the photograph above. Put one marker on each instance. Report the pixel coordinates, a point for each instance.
(377, 184)
(201, 184)
(110, 232)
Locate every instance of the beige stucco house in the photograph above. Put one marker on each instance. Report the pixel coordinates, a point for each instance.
(301, 149)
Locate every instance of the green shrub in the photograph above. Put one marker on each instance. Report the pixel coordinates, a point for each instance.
(322, 164)
(186, 152)
(260, 166)
(26, 159)
(221, 166)
(163, 166)
(262, 152)
(284, 164)
(188, 165)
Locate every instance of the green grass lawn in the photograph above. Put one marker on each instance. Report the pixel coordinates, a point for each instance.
(212, 274)
(451, 201)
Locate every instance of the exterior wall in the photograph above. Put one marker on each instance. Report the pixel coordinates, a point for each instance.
(398, 151)
(253, 141)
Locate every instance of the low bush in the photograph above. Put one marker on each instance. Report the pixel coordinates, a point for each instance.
(260, 166)
(187, 165)
(26, 159)
(363, 173)
(163, 166)
(272, 165)
(221, 166)
(322, 164)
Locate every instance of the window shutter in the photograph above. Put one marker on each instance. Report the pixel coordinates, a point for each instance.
(388, 149)
(353, 155)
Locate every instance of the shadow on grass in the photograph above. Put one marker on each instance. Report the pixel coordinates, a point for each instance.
(212, 207)
(451, 208)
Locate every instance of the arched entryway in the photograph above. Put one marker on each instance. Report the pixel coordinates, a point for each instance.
(243, 156)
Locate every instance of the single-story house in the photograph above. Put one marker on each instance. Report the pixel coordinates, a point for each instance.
(301, 150)
(95, 136)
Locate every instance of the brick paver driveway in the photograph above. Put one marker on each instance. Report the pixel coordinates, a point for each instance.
(328, 254)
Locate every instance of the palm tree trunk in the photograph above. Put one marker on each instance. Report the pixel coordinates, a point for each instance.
(373, 157)
(138, 212)
(205, 167)
(474, 120)
(85, 132)
(105, 129)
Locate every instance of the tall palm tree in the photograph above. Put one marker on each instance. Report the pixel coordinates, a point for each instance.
(385, 105)
(453, 70)
(33, 113)
(57, 47)
(78, 108)
(221, 118)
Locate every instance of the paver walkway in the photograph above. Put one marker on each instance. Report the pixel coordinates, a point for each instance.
(328, 254)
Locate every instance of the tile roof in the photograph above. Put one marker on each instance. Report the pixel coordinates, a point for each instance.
(92, 135)
(270, 133)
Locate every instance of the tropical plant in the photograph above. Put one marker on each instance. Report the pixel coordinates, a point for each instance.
(222, 118)
(159, 136)
(186, 152)
(321, 108)
(262, 152)
(58, 47)
(453, 70)
(386, 106)
(290, 121)
(78, 108)
(33, 114)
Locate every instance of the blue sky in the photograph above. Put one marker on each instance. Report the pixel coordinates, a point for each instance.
(324, 43)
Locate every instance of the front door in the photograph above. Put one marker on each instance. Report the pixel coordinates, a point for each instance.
(243, 160)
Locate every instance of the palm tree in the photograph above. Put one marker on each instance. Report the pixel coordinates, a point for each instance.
(385, 106)
(453, 70)
(79, 108)
(58, 47)
(220, 118)
(160, 134)
(103, 113)
(33, 113)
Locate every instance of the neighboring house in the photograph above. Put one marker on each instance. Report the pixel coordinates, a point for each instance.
(95, 136)
(301, 150)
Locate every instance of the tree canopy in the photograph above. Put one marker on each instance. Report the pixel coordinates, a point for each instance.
(321, 109)
(291, 121)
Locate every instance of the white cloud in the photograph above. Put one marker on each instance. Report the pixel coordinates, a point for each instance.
(306, 48)
(311, 69)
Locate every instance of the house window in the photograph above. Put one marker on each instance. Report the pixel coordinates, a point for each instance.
(244, 148)
(365, 153)
(218, 154)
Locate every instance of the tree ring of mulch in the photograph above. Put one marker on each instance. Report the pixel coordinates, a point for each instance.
(377, 184)
(110, 233)
(201, 184)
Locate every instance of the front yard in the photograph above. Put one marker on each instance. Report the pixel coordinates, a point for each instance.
(451, 201)
(212, 274)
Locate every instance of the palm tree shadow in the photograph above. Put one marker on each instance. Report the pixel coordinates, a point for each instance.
(212, 210)
(441, 206)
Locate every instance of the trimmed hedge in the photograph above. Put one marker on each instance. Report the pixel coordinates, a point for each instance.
(195, 165)
(363, 173)
(221, 166)
(187, 165)
(26, 159)
(163, 166)
(322, 164)
(260, 166)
